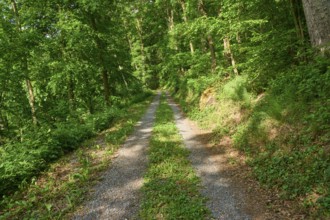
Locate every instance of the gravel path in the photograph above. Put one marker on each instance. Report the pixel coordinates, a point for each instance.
(117, 196)
(224, 202)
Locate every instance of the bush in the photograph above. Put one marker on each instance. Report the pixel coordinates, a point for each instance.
(21, 161)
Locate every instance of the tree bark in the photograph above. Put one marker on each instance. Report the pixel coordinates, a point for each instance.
(228, 53)
(317, 14)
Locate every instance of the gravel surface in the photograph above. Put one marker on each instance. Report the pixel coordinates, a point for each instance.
(224, 202)
(117, 196)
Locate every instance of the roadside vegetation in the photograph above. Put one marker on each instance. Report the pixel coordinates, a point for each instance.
(65, 184)
(171, 189)
(285, 143)
(253, 74)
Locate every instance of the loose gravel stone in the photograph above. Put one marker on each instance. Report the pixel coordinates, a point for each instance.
(118, 195)
(223, 202)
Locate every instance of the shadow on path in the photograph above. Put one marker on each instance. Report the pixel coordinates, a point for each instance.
(117, 196)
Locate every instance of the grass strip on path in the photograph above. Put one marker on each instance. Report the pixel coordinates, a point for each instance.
(60, 189)
(171, 189)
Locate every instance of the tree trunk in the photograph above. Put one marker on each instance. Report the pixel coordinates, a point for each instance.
(209, 38)
(228, 53)
(185, 19)
(70, 88)
(212, 50)
(143, 64)
(170, 15)
(295, 7)
(3, 118)
(25, 69)
(124, 79)
(105, 73)
(317, 14)
(106, 86)
(31, 101)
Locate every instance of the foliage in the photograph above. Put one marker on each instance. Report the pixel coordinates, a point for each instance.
(58, 59)
(65, 184)
(20, 161)
(271, 89)
(68, 68)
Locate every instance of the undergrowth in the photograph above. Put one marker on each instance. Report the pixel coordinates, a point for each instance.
(171, 189)
(21, 160)
(284, 131)
(64, 185)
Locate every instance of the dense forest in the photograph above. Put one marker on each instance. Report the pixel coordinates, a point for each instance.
(256, 72)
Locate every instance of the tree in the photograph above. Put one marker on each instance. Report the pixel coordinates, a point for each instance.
(317, 14)
(24, 63)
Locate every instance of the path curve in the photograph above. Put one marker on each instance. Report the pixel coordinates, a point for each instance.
(118, 195)
(223, 202)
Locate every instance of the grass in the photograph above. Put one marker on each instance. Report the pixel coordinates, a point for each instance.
(60, 189)
(171, 189)
(284, 136)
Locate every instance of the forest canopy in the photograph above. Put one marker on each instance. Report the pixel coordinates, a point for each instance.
(69, 67)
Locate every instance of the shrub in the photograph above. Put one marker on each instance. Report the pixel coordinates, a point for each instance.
(20, 161)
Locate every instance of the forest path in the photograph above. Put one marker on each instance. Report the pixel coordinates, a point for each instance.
(118, 194)
(223, 201)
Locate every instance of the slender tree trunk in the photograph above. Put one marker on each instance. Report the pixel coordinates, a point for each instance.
(300, 21)
(173, 42)
(31, 101)
(185, 19)
(170, 19)
(105, 72)
(70, 88)
(192, 50)
(297, 19)
(209, 38)
(228, 53)
(106, 87)
(3, 117)
(317, 14)
(25, 69)
(238, 38)
(90, 105)
(131, 48)
(212, 50)
(124, 79)
(143, 64)
(70, 76)
(3, 122)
